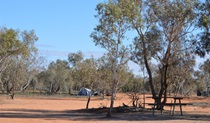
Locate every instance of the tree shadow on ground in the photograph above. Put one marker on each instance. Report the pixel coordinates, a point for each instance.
(94, 114)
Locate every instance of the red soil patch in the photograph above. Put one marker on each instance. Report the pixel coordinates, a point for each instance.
(37, 109)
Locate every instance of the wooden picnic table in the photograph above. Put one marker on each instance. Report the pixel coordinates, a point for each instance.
(172, 104)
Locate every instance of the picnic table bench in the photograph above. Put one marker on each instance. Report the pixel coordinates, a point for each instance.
(172, 104)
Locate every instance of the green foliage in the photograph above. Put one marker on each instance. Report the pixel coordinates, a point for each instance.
(57, 77)
(75, 58)
(203, 46)
(133, 85)
(110, 32)
(204, 75)
(16, 47)
(85, 73)
(17, 43)
(164, 34)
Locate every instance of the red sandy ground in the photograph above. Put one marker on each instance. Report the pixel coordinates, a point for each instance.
(43, 109)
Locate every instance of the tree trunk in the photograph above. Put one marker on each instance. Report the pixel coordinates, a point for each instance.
(12, 94)
(104, 93)
(165, 83)
(207, 85)
(57, 89)
(161, 88)
(109, 114)
(51, 88)
(148, 70)
(87, 105)
(164, 71)
(207, 89)
(70, 90)
(27, 84)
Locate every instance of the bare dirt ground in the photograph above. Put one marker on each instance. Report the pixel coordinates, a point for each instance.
(43, 109)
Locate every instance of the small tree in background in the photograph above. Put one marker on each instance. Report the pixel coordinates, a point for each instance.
(205, 75)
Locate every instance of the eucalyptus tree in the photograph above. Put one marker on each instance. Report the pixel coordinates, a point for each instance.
(90, 76)
(19, 74)
(84, 72)
(32, 65)
(62, 76)
(164, 30)
(124, 74)
(57, 77)
(109, 34)
(205, 75)
(12, 77)
(106, 77)
(74, 58)
(203, 47)
(14, 43)
(180, 77)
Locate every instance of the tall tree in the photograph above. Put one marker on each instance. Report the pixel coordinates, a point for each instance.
(15, 45)
(109, 34)
(164, 31)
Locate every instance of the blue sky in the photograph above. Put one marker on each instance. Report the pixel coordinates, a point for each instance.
(63, 26)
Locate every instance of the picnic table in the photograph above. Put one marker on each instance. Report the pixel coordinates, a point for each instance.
(172, 104)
